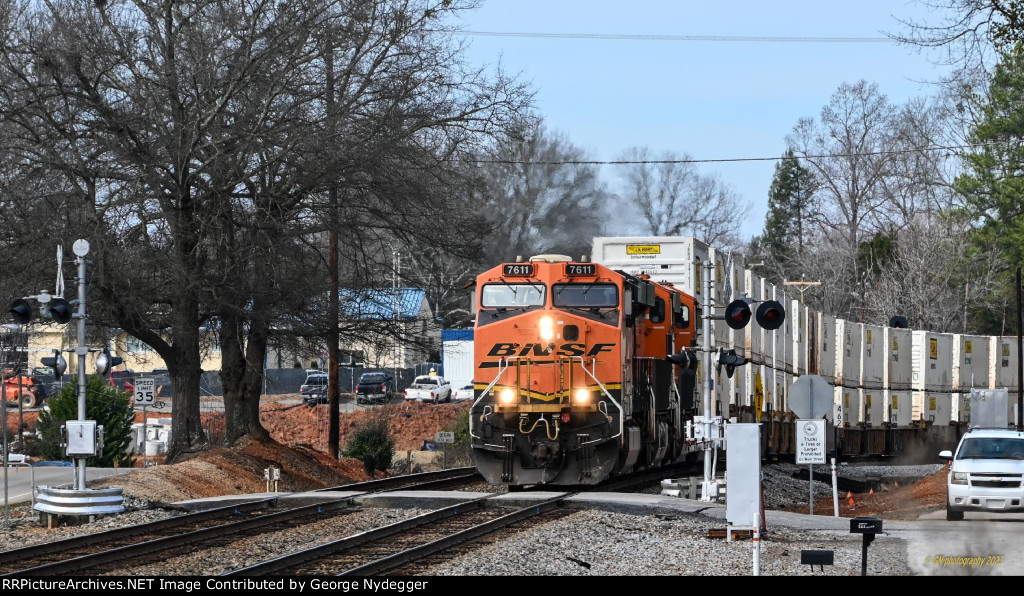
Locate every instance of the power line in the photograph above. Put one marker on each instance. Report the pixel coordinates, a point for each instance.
(724, 160)
(725, 38)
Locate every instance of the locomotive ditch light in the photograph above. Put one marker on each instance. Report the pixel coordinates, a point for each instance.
(770, 315)
(582, 396)
(737, 314)
(507, 396)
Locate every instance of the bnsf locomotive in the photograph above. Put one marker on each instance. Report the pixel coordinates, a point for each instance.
(581, 372)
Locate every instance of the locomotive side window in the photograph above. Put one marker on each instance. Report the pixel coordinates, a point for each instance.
(658, 312)
(512, 295)
(681, 318)
(585, 295)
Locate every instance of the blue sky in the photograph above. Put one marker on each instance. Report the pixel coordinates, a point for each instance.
(711, 99)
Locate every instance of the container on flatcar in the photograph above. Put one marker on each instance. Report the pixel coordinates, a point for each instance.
(828, 346)
(970, 362)
(849, 401)
(783, 337)
(675, 259)
(1003, 368)
(899, 370)
(874, 407)
(872, 360)
(899, 407)
(798, 313)
(755, 336)
(934, 407)
(848, 361)
(932, 354)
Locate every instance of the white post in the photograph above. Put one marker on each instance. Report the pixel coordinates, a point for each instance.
(811, 489)
(145, 434)
(835, 489)
(707, 493)
(757, 543)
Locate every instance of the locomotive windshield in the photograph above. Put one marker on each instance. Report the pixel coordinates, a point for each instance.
(512, 295)
(585, 295)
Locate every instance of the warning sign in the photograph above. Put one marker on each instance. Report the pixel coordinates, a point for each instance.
(810, 441)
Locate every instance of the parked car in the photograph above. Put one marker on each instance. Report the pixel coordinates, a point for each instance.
(463, 393)
(430, 388)
(374, 387)
(314, 389)
(986, 473)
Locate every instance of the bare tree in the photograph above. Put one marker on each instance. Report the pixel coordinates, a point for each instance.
(674, 199)
(535, 201)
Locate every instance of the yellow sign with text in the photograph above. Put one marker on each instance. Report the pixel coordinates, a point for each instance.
(758, 394)
(643, 249)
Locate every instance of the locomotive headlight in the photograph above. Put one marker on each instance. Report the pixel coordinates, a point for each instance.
(582, 396)
(507, 396)
(547, 328)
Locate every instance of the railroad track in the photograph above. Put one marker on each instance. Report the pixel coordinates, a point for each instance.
(135, 546)
(411, 545)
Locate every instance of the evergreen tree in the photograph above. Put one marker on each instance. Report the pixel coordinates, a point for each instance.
(110, 407)
(790, 202)
(994, 182)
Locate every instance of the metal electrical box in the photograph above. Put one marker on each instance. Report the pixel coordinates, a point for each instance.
(743, 474)
(81, 436)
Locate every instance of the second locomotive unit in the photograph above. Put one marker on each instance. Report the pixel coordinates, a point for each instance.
(581, 372)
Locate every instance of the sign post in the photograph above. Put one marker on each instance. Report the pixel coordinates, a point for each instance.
(445, 438)
(810, 447)
(144, 390)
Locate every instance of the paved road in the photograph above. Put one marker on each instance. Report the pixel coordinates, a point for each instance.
(19, 480)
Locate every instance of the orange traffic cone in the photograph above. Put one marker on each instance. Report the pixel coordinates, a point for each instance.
(897, 484)
(871, 491)
(849, 495)
(851, 501)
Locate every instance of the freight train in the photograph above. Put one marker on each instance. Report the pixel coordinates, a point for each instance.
(586, 369)
(573, 379)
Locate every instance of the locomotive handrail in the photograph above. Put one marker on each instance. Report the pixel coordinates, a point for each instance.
(502, 367)
(622, 413)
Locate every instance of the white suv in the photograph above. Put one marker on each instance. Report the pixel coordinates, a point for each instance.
(987, 472)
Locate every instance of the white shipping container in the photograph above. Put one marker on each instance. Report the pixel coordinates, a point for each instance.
(799, 313)
(899, 408)
(873, 357)
(676, 259)
(754, 334)
(848, 363)
(828, 346)
(932, 355)
(849, 400)
(899, 364)
(961, 407)
(1004, 363)
(783, 336)
(935, 407)
(970, 362)
(874, 407)
(991, 408)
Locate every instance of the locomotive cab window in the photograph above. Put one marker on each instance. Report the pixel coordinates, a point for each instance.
(658, 312)
(681, 318)
(512, 295)
(585, 295)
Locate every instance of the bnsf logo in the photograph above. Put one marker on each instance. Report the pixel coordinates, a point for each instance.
(572, 349)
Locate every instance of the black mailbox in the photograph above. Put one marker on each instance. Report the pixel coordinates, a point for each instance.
(865, 525)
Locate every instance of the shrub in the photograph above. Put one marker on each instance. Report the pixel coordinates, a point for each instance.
(110, 407)
(372, 437)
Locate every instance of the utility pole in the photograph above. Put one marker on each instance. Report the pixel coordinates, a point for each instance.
(333, 308)
(802, 286)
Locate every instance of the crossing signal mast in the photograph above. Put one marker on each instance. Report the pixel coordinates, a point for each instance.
(83, 438)
(770, 316)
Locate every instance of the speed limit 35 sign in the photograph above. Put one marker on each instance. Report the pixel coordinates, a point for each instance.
(145, 389)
